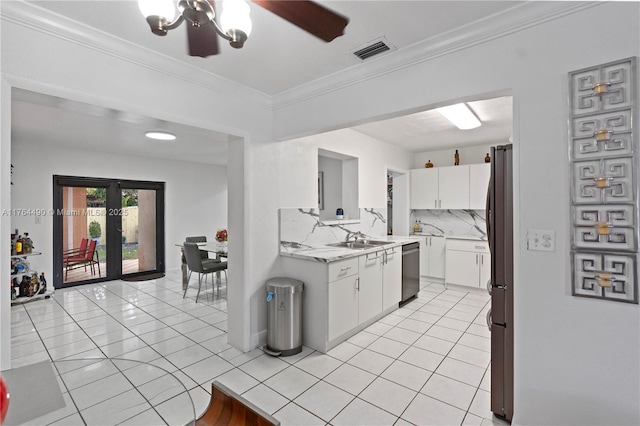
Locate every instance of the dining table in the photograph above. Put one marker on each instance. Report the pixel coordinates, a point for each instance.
(219, 251)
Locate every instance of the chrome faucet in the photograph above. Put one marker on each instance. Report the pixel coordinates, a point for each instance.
(355, 235)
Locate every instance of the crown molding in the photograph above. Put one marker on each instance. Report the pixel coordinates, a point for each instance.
(509, 21)
(51, 24)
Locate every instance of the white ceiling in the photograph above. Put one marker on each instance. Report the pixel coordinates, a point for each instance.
(278, 58)
(290, 56)
(37, 117)
(429, 130)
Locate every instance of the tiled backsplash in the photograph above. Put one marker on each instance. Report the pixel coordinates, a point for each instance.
(302, 228)
(451, 222)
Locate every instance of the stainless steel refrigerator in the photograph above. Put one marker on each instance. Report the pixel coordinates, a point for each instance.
(500, 317)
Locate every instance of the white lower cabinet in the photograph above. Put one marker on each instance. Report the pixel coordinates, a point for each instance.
(432, 256)
(370, 285)
(468, 263)
(343, 297)
(343, 306)
(392, 278)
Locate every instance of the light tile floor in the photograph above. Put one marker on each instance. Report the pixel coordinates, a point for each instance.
(427, 363)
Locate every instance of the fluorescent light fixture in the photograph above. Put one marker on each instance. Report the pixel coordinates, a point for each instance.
(461, 116)
(163, 136)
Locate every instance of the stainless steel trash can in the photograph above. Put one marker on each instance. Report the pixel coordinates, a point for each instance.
(284, 314)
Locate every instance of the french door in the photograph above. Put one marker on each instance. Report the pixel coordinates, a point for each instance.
(106, 229)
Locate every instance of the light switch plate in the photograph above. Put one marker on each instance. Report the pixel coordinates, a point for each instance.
(538, 240)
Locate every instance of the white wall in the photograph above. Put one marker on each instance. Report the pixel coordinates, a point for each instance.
(576, 359)
(441, 158)
(331, 169)
(195, 194)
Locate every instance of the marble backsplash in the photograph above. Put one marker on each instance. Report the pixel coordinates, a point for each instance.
(301, 228)
(451, 222)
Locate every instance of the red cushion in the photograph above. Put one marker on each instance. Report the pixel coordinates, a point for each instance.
(4, 400)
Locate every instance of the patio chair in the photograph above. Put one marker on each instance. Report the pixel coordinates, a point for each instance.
(88, 257)
(196, 264)
(80, 251)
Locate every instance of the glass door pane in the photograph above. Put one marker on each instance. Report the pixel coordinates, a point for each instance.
(139, 237)
(83, 230)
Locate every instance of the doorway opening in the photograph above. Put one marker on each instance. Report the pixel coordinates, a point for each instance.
(106, 229)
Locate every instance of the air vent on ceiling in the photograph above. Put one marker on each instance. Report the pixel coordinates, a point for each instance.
(374, 48)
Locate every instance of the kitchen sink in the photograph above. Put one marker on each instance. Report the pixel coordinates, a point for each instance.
(360, 244)
(376, 243)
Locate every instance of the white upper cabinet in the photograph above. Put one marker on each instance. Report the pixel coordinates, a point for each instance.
(424, 188)
(440, 188)
(453, 187)
(479, 175)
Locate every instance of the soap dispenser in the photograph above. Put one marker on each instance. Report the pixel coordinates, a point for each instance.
(339, 214)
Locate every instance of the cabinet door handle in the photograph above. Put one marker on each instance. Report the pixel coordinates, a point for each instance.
(479, 247)
(476, 259)
(345, 269)
(482, 259)
(358, 284)
(440, 203)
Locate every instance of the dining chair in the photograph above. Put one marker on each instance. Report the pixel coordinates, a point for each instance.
(199, 239)
(203, 253)
(196, 264)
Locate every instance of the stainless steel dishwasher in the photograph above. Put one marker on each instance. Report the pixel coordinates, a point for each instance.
(410, 271)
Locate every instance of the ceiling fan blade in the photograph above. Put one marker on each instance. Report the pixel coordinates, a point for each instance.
(310, 16)
(203, 40)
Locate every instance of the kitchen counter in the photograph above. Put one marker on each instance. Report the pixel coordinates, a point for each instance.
(453, 237)
(328, 254)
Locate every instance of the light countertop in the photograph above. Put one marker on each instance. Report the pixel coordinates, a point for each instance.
(453, 237)
(328, 254)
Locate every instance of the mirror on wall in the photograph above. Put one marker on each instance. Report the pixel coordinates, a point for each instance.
(337, 185)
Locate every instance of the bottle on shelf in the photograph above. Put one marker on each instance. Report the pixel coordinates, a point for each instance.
(19, 245)
(14, 287)
(34, 286)
(43, 284)
(27, 244)
(23, 290)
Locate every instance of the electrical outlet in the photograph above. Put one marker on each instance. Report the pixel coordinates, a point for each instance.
(541, 240)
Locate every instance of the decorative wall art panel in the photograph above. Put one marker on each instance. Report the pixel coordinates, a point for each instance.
(603, 181)
(605, 276)
(604, 192)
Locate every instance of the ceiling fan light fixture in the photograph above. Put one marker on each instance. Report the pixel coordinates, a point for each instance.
(160, 135)
(235, 18)
(162, 8)
(460, 115)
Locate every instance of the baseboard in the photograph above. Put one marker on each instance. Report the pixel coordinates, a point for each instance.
(432, 279)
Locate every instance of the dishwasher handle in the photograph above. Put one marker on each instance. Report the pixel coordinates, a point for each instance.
(410, 251)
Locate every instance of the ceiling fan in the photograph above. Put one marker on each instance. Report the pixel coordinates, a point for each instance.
(235, 23)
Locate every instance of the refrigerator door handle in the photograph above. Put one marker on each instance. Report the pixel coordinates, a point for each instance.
(488, 212)
(489, 286)
(489, 319)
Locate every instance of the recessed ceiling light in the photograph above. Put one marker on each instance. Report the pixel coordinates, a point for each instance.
(461, 116)
(163, 136)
